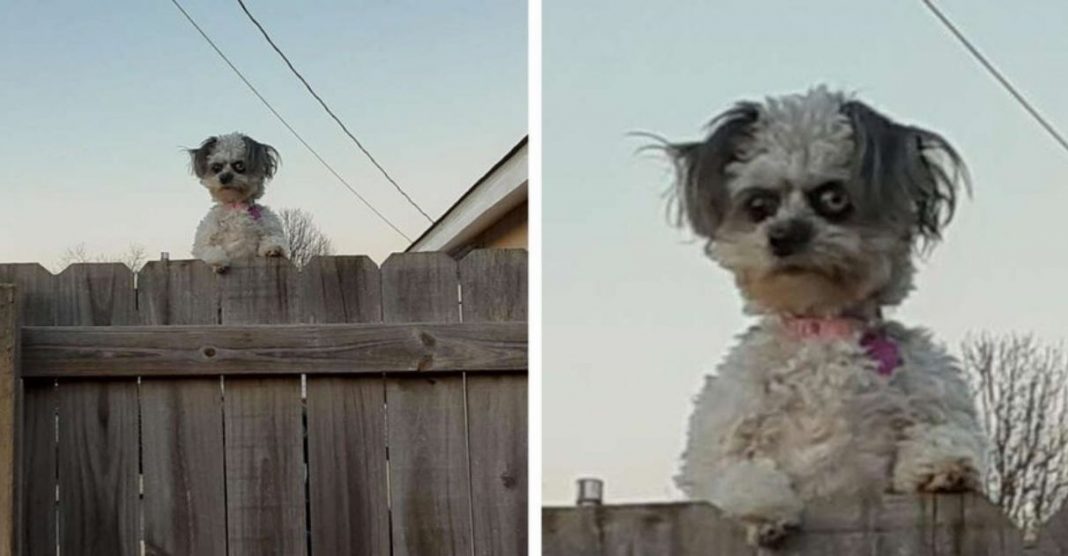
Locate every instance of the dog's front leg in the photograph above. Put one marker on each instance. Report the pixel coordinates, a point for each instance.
(273, 243)
(214, 255)
(938, 458)
(755, 492)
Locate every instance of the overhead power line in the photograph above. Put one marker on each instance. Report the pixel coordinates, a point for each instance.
(997, 75)
(286, 124)
(331, 112)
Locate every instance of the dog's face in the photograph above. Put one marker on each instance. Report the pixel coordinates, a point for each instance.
(815, 202)
(234, 167)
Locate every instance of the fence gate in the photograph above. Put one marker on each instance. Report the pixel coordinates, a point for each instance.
(340, 409)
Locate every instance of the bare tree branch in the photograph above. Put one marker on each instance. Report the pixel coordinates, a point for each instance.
(304, 237)
(134, 257)
(1021, 390)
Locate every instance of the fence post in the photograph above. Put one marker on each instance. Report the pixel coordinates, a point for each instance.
(8, 382)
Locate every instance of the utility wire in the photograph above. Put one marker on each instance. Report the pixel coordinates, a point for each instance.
(286, 124)
(997, 75)
(331, 112)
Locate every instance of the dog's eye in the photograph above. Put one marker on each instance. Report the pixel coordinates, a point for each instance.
(761, 206)
(238, 167)
(216, 168)
(831, 200)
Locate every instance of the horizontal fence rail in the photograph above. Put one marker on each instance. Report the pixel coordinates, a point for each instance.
(255, 349)
(920, 525)
(261, 411)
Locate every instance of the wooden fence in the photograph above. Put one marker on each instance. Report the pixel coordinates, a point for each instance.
(925, 525)
(340, 409)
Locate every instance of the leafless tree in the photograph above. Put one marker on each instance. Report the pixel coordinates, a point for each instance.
(304, 237)
(134, 256)
(1021, 389)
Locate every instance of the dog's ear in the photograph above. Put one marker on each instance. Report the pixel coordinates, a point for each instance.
(913, 174)
(198, 157)
(701, 195)
(261, 159)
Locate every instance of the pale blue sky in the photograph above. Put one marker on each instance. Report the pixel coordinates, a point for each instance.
(633, 315)
(98, 97)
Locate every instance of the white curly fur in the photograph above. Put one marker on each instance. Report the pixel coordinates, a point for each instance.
(236, 226)
(227, 234)
(787, 420)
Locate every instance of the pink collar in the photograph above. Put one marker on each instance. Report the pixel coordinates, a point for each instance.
(881, 348)
(253, 209)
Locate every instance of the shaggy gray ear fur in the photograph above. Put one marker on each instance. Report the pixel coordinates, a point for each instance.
(911, 174)
(261, 158)
(700, 192)
(198, 157)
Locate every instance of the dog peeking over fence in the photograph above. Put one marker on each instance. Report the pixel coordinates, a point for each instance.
(817, 204)
(235, 169)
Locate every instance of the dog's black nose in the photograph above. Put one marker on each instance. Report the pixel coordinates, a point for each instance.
(787, 238)
(226, 178)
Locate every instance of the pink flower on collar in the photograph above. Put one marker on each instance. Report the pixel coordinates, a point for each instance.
(882, 349)
(253, 210)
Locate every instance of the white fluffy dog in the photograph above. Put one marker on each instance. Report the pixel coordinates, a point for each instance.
(816, 203)
(235, 169)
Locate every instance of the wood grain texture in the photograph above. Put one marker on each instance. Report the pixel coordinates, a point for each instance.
(429, 478)
(38, 459)
(177, 292)
(98, 453)
(923, 525)
(347, 466)
(9, 342)
(340, 289)
(347, 476)
(429, 469)
(494, 287)
(259, 291)
(264, 467)
(182, 453)
(254, 349)
(95, 295)
(35, 287)
(420, 287)
(182, 422)
(497, 425)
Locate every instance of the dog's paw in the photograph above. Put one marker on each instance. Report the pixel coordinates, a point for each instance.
(768, 534)
(951, 476)
(272, 251)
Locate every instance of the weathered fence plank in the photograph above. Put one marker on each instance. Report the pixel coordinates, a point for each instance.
(177, 292)
(420, 287)
(346, 419)
(95, 295)
(182, 447)
(98, 448)
(182, 422)
(9, 342)
(494, 287)
(347, 466)
(259, 291)
(98, 475)
(921, 525)
(265, 467)
(35, 288)
(265, 494)
(287, 349)
(429, 469)
(340, 289)
(38, 528)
